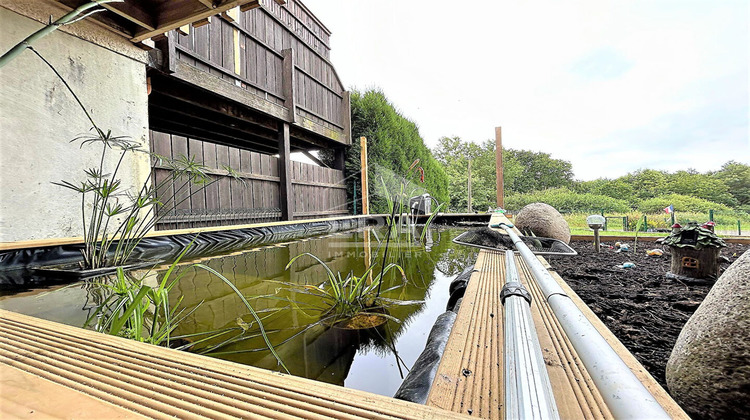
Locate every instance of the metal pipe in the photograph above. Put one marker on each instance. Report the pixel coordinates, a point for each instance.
(621, 390)
(528, 391)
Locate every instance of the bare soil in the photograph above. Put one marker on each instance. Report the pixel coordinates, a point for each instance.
(643, 308)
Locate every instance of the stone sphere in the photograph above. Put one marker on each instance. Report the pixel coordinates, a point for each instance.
(544, 220)
(708, 372)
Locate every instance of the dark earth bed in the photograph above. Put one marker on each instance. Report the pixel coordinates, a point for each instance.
(644, 309)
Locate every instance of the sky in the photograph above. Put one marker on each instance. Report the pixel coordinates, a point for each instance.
(611, 86)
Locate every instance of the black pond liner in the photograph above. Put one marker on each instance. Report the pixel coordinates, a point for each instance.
(16, 265)
(416, 386)
(74, 271)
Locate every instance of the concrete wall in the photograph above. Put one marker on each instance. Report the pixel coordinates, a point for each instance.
(38, 118)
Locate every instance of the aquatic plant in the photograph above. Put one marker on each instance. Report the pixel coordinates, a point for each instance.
(120, 218)
(131, 309)
(346, 298)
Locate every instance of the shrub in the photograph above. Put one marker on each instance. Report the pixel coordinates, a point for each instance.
(393, 143)
(567, 201)
(681, 203)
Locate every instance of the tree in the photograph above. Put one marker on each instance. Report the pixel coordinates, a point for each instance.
(736, 176)
(523, 171)
(538, 171)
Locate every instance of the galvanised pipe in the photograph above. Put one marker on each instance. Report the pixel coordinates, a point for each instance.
(528, 391)
(621, 390)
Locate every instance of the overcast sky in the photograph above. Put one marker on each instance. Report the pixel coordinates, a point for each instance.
(611, 86)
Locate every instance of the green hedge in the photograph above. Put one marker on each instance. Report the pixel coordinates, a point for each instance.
(567, 201)
(681, 203)
(393, 144)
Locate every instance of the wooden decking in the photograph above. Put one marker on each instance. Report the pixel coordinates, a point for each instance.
(470, 376)
(57, 371)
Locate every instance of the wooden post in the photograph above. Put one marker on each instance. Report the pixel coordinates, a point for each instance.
(167, 45)
(469, 187)
(365, 187)
(346, 111)
(499, 167)
(285, 174)
(288, 83)
(339, 158)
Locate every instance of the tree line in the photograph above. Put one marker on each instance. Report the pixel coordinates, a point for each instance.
(394, 144)
(536, 176)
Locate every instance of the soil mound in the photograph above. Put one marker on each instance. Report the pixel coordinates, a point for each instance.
(644, 309)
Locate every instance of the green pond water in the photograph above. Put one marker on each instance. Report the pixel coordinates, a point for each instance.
(360, 359)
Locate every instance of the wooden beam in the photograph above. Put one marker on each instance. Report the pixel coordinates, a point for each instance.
(195, 100)
(314, 158)
(499, 167)
(183, 30)
(210, 122)
(134, 13)
(346, 109)
(365, 186)
(285, 173)
(237, 51)
(339, 158)
(175, 22)
(232, 15)
(211, 4)
(250, 5)
(281, 2)
(167, 44)
(288, 78)
(202, 22)
(216, 85)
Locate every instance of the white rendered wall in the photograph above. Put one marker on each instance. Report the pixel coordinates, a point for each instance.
(39, 117)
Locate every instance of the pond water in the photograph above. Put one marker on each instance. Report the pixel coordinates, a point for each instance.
(360, 359)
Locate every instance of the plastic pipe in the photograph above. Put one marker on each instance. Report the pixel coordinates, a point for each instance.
(621, 390)
(528, 392)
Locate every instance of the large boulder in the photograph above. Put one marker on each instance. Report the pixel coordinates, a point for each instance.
(544, 220)
(708, 372)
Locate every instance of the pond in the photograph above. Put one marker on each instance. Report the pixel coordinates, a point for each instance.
(360, 359)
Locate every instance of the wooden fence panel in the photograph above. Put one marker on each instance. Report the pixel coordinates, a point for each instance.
(253, 196)
(262, 34)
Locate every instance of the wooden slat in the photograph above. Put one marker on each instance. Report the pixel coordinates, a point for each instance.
(468, 380)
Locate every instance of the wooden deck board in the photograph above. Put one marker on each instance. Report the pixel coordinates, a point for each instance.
(158, 382)
(475, 344)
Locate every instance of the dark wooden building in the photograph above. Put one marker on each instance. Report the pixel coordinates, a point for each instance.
(243, 88)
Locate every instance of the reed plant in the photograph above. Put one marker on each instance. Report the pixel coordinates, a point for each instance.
(121, 216)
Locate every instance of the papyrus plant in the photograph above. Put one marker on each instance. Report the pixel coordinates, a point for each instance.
(115, 218)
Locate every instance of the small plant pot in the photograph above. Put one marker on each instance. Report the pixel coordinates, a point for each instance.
(74, 271)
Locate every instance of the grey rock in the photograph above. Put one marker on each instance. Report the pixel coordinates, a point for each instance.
(544, 220)
(708, 372)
